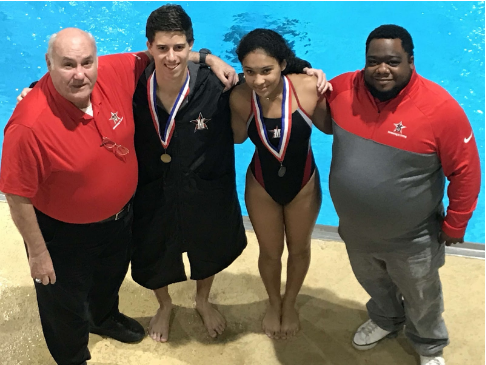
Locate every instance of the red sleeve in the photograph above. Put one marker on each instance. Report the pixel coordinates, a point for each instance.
(458, 153)
(125, 67)
(24, 164)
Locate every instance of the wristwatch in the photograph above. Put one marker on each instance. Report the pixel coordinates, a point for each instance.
(203, 52)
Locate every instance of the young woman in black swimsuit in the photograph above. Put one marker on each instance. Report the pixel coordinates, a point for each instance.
(276, 109)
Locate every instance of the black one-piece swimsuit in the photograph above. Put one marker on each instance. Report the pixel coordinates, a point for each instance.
(299, 160)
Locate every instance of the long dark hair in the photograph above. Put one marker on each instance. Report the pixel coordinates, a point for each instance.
(274, 45)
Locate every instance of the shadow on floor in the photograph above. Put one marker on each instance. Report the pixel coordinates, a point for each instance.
(328, 323)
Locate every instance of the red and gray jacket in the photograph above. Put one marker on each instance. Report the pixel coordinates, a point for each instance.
(390, 161)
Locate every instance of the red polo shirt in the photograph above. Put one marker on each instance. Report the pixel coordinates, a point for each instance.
(52, 151)
(423, 119)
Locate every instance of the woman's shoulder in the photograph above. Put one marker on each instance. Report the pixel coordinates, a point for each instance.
(303, 81)
(241, 92)
(240, 97)
(305, 86)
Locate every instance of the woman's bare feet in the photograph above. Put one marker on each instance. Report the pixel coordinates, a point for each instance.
(159, 324)
(213, 320)
(271, 321)
(290, 321)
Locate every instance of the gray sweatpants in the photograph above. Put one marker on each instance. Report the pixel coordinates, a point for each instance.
(405, 289)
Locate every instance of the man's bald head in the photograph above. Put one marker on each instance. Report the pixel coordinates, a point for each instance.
(70, 35)
(73, 65)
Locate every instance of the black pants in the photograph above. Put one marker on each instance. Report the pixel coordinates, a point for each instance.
(90, 261)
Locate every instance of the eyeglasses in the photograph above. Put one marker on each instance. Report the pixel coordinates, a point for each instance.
(117, 149)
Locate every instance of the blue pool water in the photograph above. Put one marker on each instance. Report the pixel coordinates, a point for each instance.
(448, 37)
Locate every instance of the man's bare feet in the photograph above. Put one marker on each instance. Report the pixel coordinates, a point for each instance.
(290, 321)
(159, 324)
(271, 321)
(213, 320)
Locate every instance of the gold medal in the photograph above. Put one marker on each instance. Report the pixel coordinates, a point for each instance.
(165, 132)
(165, 158)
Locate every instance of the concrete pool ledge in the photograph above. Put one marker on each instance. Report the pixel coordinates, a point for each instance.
(329, 233)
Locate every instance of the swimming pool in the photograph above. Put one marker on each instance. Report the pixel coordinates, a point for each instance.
(448, 38)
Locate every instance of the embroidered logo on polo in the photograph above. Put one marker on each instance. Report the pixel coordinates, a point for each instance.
(399, 127)
(116, 119)
(285, 125)
(166, 134)
(200, 123)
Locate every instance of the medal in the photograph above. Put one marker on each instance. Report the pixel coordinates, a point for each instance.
(285, 127)
(165, 158)
(166, 134)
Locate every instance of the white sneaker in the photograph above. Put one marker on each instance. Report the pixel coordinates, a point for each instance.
(432, 360)
(369, 334)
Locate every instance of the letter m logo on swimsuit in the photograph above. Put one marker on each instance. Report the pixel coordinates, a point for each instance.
(276, 132)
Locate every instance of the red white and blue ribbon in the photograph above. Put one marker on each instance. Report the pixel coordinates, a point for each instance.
(166, 136)
(286, 122)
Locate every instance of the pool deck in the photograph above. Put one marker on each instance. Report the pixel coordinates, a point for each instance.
(331, 306)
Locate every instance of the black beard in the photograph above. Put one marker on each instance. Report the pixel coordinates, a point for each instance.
(384, 95)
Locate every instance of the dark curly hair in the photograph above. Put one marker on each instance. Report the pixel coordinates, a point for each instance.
(169, 18)
(392, 31)
(274, 45)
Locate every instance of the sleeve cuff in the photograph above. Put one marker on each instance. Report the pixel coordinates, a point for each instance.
(26, 193)
(453, 232)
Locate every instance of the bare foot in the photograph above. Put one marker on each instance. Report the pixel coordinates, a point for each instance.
(159, 324)
(271, 321)
(290, 322)
(213, 320)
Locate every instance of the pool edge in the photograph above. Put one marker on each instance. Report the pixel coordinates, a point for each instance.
(329, 233)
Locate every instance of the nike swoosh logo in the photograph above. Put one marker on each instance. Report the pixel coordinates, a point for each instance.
(136, 56)
(466, 140)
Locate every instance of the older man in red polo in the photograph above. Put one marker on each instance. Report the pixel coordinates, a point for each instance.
(69, 172)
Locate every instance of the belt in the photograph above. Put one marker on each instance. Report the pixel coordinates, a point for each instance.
(120, 215)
